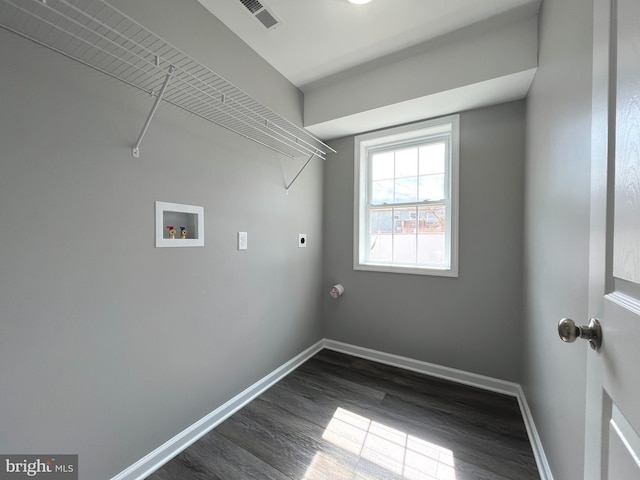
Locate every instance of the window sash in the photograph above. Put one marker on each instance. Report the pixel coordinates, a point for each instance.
(420, 142)
(368, 234)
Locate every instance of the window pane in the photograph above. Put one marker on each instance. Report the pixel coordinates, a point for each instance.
(404, 220)
(404, 238)
(381, 235)
(406, 175)
(381, 192)
(432, 158)
(404, 249)
(432, 235)
(382, 166)
(407, 162)
(432, 218)
(432, 249)
(381, 221)
(431, 187)
(406, 190)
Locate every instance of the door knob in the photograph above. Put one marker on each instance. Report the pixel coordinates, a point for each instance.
(569, 332)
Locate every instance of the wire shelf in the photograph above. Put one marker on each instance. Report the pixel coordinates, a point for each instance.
(98, 35)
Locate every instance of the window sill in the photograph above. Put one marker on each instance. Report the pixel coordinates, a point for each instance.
(410, 270)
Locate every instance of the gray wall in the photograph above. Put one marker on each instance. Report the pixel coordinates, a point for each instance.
(557, 230)
(109, 346)
(470, 322)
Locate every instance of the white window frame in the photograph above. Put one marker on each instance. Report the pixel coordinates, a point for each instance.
(407, 133)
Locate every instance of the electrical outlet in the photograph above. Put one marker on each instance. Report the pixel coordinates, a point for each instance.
(302, 240)
(242, 240)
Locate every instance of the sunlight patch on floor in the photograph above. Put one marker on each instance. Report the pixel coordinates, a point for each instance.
(326, 467)
(394, 451)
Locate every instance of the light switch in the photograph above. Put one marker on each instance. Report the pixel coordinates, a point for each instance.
(302, 240)
(242, 240)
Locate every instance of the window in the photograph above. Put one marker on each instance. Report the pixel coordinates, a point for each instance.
(406, 212)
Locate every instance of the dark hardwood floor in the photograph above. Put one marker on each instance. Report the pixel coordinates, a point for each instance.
(339, 417)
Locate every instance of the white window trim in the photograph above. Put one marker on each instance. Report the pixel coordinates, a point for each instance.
(362, 142)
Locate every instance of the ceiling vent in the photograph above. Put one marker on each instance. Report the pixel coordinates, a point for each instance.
(261, 13)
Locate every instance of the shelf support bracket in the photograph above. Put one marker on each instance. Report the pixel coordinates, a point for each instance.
(136, 148)
(287, 187)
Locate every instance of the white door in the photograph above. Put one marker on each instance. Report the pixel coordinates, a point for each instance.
(612, 449)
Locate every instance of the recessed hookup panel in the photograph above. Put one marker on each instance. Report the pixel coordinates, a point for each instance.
(179, 225)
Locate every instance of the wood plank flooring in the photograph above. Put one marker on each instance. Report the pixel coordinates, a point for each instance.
(339, 417)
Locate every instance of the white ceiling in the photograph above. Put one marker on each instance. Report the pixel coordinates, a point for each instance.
(317, 39)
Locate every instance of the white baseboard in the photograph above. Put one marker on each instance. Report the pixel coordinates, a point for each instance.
(161, 455)
(154, 460)
(534, 437)
(458, 376)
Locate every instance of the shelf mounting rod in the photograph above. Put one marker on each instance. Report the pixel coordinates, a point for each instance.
(287, 187)
(136, 148)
